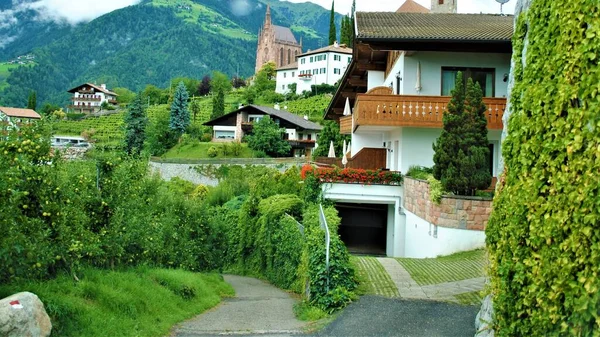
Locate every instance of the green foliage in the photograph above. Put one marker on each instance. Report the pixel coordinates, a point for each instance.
(461, 152)
(180, 116)
(332, 27)
(153, 95)
(125, 96)
(419, 172)
(220, 82)
(330, 132)
(347, 31)
(130, 300)
(320, 89)
(48, 109)
(135, 127)
(32, 101)
(204, 87)
(268, 137)
(160, 137)
(213, 151)
(542, 235)
(218, 104)
(306, 312)
(75, 116)
(436, 189)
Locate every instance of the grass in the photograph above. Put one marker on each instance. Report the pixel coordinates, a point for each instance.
(373, 279)
(472, 298)
(308, 313)
(451, 268)
(5, 72)
(136, 302)
(198, 150)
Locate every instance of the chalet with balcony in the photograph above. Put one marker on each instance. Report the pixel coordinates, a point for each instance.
(89, 98)
(299, 132)
(12, 118)
(391, 101)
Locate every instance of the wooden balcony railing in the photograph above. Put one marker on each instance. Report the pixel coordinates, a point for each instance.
(303, 144)
(415, 111)
(86, 99)
(346, 125)
(367, 158)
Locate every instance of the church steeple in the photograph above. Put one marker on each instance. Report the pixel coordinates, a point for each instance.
(268, 17)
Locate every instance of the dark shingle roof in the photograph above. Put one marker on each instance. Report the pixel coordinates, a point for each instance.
(284, 34)
(434, 26)
(290, 117)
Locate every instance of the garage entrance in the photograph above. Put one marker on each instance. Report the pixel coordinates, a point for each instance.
(364, 227)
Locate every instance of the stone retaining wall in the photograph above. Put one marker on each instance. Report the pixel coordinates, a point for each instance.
(452, 212)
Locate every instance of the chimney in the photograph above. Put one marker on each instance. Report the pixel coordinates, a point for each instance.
(276, 107)
(240, 106)
(335, 44)
(103, 86)
(305, 117)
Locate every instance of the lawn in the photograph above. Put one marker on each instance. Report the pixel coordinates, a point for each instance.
(199, 150)
(451, 268)
(138, 302)
(374, 280)
(5, 72)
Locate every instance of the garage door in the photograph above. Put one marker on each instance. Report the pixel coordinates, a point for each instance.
(364, 227)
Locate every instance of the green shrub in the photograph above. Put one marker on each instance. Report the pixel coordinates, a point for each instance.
(542, 235)
(213, 151)
(419, 172)
(75, 116)
(206, 137)
(436, 190)
(236, 148)
(225, 149)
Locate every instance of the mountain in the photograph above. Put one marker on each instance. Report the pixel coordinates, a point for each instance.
(150, 43)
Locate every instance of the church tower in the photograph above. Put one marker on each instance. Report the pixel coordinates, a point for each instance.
(276, 44)
(443, 6)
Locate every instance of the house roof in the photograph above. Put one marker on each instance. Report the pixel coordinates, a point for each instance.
(342, 49)
(410, 6)
(284, 34)
(293, 65)
(20, 113)
(435, 27)
(282, 114)
(96, 87)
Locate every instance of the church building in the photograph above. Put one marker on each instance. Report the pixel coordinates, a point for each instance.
(277, 44)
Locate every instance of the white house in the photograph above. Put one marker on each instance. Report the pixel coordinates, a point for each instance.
(321, 66)
(391, 101)
(88, 98)
(11, 118)
(299, 132)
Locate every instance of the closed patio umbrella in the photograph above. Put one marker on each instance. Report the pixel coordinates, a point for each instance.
(331, 150)
(347, 111)
(418, 85)
(344, 156)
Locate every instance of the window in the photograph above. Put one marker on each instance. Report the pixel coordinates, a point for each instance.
(316, 71)
(309, 136)
(324, 57)
(293, 74)
(483, 76)
(336, 71)
(440, 2)
(224, 134)
(303, 60)
(337, 57)
(311, 59)
(254, 119)
(323, 70)
(284, 74)
(283, 87)
(349, 59)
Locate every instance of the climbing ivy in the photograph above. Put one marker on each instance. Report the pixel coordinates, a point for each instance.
(543, 235)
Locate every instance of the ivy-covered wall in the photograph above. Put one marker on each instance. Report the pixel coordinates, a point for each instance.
(543, 235)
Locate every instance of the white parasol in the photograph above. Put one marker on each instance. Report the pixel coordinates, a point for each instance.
(331, 150)
(344, 155)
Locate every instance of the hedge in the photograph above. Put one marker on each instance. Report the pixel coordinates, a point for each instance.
(543, 235)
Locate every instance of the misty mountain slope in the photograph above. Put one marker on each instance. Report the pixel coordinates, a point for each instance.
(155, 41)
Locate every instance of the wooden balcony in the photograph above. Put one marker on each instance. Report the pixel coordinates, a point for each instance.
(414, 111)
(113, 101)
(301, 144)
(86, 99)
(346, 125)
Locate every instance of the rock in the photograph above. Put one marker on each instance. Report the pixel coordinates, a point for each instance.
(23, 315)
(484, 319)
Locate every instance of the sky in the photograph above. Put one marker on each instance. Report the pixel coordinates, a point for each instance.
(464, 6)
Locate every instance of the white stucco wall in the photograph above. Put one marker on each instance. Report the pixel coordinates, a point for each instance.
(363, 140)
(375, 79)
(284, 78)
(431, 70)
(421, 243)
(330, 76)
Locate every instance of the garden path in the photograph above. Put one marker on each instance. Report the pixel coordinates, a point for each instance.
(258, 308)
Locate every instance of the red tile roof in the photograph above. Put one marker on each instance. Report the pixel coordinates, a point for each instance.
(20, 113)
(410, 6)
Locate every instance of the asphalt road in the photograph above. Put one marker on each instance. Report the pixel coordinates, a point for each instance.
(382, 317)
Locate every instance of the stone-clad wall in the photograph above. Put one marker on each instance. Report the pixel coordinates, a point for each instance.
(452, 212)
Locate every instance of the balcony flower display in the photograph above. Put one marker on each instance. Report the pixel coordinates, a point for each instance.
(352, 176)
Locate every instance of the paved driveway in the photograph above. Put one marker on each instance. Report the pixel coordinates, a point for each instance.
(381, 317)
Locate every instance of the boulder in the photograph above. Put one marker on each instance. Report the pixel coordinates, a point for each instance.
(23, 315)
(484, 319)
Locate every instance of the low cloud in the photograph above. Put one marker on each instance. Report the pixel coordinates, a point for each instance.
(64, 11)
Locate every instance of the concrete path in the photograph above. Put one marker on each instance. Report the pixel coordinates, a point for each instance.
(408, 288)
(257, 309)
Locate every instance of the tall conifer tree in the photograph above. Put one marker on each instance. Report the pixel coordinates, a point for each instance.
(135, 127)
(332, 29)
(218, 101)
(180, 116)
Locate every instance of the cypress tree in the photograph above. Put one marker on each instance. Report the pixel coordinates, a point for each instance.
(32, 101)
(351, 29)
(461, 151)
(180, 116)
(218, 101)
(332, 29)
(135, 127)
